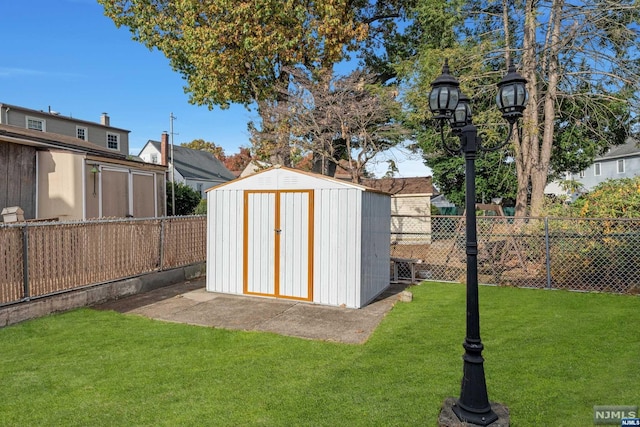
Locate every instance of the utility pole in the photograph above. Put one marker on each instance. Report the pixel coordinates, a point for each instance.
(173, 168)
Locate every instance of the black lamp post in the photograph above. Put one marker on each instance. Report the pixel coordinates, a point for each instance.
(449, 105)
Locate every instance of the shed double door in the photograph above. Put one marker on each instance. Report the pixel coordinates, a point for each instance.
(278, 243)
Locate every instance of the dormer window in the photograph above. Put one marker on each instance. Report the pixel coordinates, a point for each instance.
(34, 123)
(82, 133)
(113, 141)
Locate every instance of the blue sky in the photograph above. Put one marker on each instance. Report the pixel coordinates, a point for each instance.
(67, 56)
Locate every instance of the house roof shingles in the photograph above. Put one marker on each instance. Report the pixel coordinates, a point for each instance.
(629, 148)
(197, 164)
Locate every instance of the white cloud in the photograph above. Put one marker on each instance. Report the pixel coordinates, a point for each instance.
(18, 72)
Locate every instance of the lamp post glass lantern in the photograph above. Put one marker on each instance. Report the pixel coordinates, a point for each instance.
(473, 405)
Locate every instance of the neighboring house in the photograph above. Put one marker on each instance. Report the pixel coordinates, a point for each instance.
(102, 134)
(254, 166)
(620, 161)
(198, 169)
(443, 204)
(410, 206)
(51, 176)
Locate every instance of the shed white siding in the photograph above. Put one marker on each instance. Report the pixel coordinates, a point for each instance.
(290, 234)
(375, 237)
(225, 241)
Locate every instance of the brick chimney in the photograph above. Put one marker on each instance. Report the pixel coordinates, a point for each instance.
(104, 120)
(164, 148)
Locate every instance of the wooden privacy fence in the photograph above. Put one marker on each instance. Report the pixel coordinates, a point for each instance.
(64, 256)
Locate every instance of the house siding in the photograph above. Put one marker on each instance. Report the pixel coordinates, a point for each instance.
(97, 134)
(18, 171)
(608, 170)
(412, 218)
(629, 152)
(60, 185)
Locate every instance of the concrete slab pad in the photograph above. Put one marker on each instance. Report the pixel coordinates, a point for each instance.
(200, 295)
(190, 303)
(166, 309)
(323, 323)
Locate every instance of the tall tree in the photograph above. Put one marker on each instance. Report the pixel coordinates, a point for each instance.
(343, 121)
(232, 51)
(238, 161)
(581, 63)
(238, 51)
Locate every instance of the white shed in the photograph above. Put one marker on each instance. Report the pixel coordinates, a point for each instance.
(290, 234)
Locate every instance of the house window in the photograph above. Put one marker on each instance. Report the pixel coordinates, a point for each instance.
(154, 158)
(581, 174)
(82, 133)
(596, 169)
(199, 188)
(113, 141)
(36, 124)
(621, 166)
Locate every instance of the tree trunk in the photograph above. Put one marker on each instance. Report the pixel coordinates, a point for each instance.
(525, 148)
(540, 171)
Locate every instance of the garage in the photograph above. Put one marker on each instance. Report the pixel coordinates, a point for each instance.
(284, 233)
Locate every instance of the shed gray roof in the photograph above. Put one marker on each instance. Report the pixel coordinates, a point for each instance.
(197, 164)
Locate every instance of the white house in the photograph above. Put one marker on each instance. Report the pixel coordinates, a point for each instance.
(198, 169)
(290, 234)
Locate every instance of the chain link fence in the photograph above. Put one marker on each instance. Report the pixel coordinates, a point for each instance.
(579, 254)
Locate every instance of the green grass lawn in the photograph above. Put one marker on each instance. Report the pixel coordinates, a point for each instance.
(549, 356)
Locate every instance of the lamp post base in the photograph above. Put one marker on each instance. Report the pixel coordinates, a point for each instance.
(448, 417)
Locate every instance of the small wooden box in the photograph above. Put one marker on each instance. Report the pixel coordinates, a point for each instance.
(12, 214)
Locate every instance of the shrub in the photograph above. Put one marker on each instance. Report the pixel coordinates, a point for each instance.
(614, 198)
(201, 209)
(186, 199)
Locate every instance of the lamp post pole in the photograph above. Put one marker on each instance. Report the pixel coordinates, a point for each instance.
(449, 105)
(473, 405)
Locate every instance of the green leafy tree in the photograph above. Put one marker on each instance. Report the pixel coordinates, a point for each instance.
(232, 51)
(239, 51)
(186, 199)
